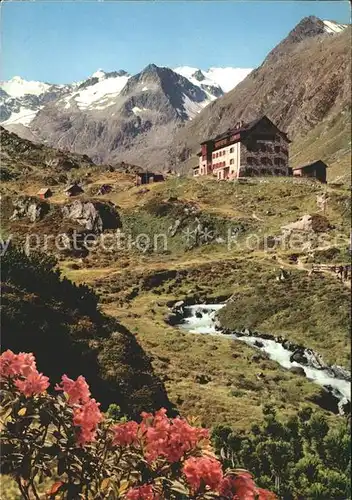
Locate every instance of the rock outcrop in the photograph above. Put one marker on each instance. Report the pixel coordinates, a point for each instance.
(29, 207)
(92, 215)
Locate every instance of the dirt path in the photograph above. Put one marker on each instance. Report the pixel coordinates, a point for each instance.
(309, 268)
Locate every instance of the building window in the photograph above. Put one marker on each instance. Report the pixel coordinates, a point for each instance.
(263, 148)
(277, 149)
(277, 161)
(232, 150)
(232, 161)
(264, 160)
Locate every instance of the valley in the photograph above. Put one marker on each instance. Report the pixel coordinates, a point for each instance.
(136, 285)
(224, 298)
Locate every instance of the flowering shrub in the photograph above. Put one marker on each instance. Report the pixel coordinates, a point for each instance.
(64, 440)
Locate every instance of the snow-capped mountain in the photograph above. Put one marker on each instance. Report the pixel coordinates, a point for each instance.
(97, 91)
(108, 113)
(20, 100)
(224, 79)
(115, 116)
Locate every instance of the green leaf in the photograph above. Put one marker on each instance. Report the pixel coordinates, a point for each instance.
(178, 487)
(61, 466)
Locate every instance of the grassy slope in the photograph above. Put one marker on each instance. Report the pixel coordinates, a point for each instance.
(330, 141)
(61, 325)
(234, 393)
(134, 287)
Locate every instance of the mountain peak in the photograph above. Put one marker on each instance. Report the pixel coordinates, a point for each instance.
(198, 75)
(151, 68)
(308, 27)
(99, 74)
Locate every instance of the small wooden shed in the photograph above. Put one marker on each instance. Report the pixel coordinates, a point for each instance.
(44, 193)
(73, 190)
(316, 169)
(148, 178)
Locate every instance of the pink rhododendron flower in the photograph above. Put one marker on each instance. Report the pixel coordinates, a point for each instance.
(34, 383)
(203, 471)
(169, 438)
(265, 494)
(77, 390)
(144, 492)
(125, 434)
(16, 364)
(87, 417)
(242, 487)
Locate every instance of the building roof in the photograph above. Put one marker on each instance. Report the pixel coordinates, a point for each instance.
(141, 174)
(302, 167)
(43, 190)
(246, 127)
(73, 186)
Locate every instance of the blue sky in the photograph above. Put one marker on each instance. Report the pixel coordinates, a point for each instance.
(62, 42)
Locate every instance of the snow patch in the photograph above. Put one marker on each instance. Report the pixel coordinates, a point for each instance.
(225, 78)
(17, 87)
(24, 117)
(107, 87)
(332, 27)
(144, 89)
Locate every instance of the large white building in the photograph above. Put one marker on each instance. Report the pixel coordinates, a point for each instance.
(256, 148)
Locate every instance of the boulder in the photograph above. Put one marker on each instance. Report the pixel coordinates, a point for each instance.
(326, 400)
(298, 370)
(344, 406)
(287, 344)
(315, 360)
(246, 331)
(178, 307)
(299, 356)
(29, 207)
(340, 372)
(173, 319)
(92, 215)
(258, 343)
